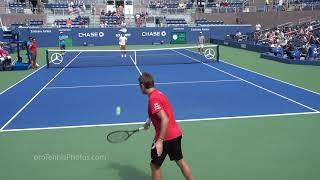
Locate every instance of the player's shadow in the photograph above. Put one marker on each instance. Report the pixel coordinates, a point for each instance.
(127, 172)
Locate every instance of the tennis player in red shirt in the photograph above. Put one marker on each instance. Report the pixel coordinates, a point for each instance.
(168, 134)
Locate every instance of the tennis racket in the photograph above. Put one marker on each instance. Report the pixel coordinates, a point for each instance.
(122, 135)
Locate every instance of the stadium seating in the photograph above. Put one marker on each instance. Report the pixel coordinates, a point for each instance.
(311, 6)
(205, 22)
(76, 23)
(66, 6)
(17, 7)
(36, 23)
(56, 6)
(33, 23)
(176, 22)
(112, 20)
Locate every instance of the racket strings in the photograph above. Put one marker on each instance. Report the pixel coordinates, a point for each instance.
(118, 136)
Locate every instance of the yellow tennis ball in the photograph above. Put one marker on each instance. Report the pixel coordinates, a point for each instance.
(118, 110)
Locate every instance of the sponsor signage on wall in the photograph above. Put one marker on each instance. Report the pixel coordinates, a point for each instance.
(154, 33)
(90, 34)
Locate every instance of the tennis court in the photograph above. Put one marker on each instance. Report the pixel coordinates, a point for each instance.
(78, 101)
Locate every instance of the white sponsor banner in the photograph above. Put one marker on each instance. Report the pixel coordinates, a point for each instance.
(90, 34)
(154, 33)
(39, 31)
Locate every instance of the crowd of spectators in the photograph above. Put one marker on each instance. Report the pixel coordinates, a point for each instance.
(112, 18)
(75, 7)
(140, 19)
(291, 41)
(79, 21)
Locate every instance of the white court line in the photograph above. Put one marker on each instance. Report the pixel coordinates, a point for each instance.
(266, 76)
(21, 80)
(124, 85)
(21, 109)
(271, 78)
(135, 65)
(183, 120)
(250, 83)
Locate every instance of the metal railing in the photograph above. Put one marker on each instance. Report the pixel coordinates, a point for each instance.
(237, 9)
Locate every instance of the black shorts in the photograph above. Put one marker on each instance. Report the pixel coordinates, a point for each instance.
(171, 147)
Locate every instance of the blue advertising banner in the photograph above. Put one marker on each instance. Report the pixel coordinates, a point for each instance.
(48, 37)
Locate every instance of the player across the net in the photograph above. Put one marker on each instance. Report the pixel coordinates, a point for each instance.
(106, 58)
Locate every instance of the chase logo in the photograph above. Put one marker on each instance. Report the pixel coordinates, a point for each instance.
(154, 34)
(101, 34)
(91, 34)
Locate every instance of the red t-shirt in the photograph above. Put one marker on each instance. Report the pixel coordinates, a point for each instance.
(33, 48)
(157, 102)
(3, 53)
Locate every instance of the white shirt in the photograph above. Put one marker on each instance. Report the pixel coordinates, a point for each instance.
(258, 27)
(122, 40)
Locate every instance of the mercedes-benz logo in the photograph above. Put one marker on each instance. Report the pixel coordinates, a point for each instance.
(56, 58)
(209, 53)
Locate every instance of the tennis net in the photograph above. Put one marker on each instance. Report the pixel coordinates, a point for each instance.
(106, 58)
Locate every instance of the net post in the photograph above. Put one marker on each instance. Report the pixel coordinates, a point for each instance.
(218, 53)
(47, 58)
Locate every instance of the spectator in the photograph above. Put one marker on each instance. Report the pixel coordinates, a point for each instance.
(29, 42)
(33, 54)
(238, 34)
(312, 53)
(123, 24)
(278, 50)
(267, 5)
(120, 9)
(103, 13)
(258, 27)
(158, 22)
(296, 54)
(102, 24)
(70, 9)
(138, 20)
(93, 9)
(226, 3)
(83, 6)
(289, 50)
(69, 23)
(280, 5)
(5, 59)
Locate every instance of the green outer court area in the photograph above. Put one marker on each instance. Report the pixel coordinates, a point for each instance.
(262, 148)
